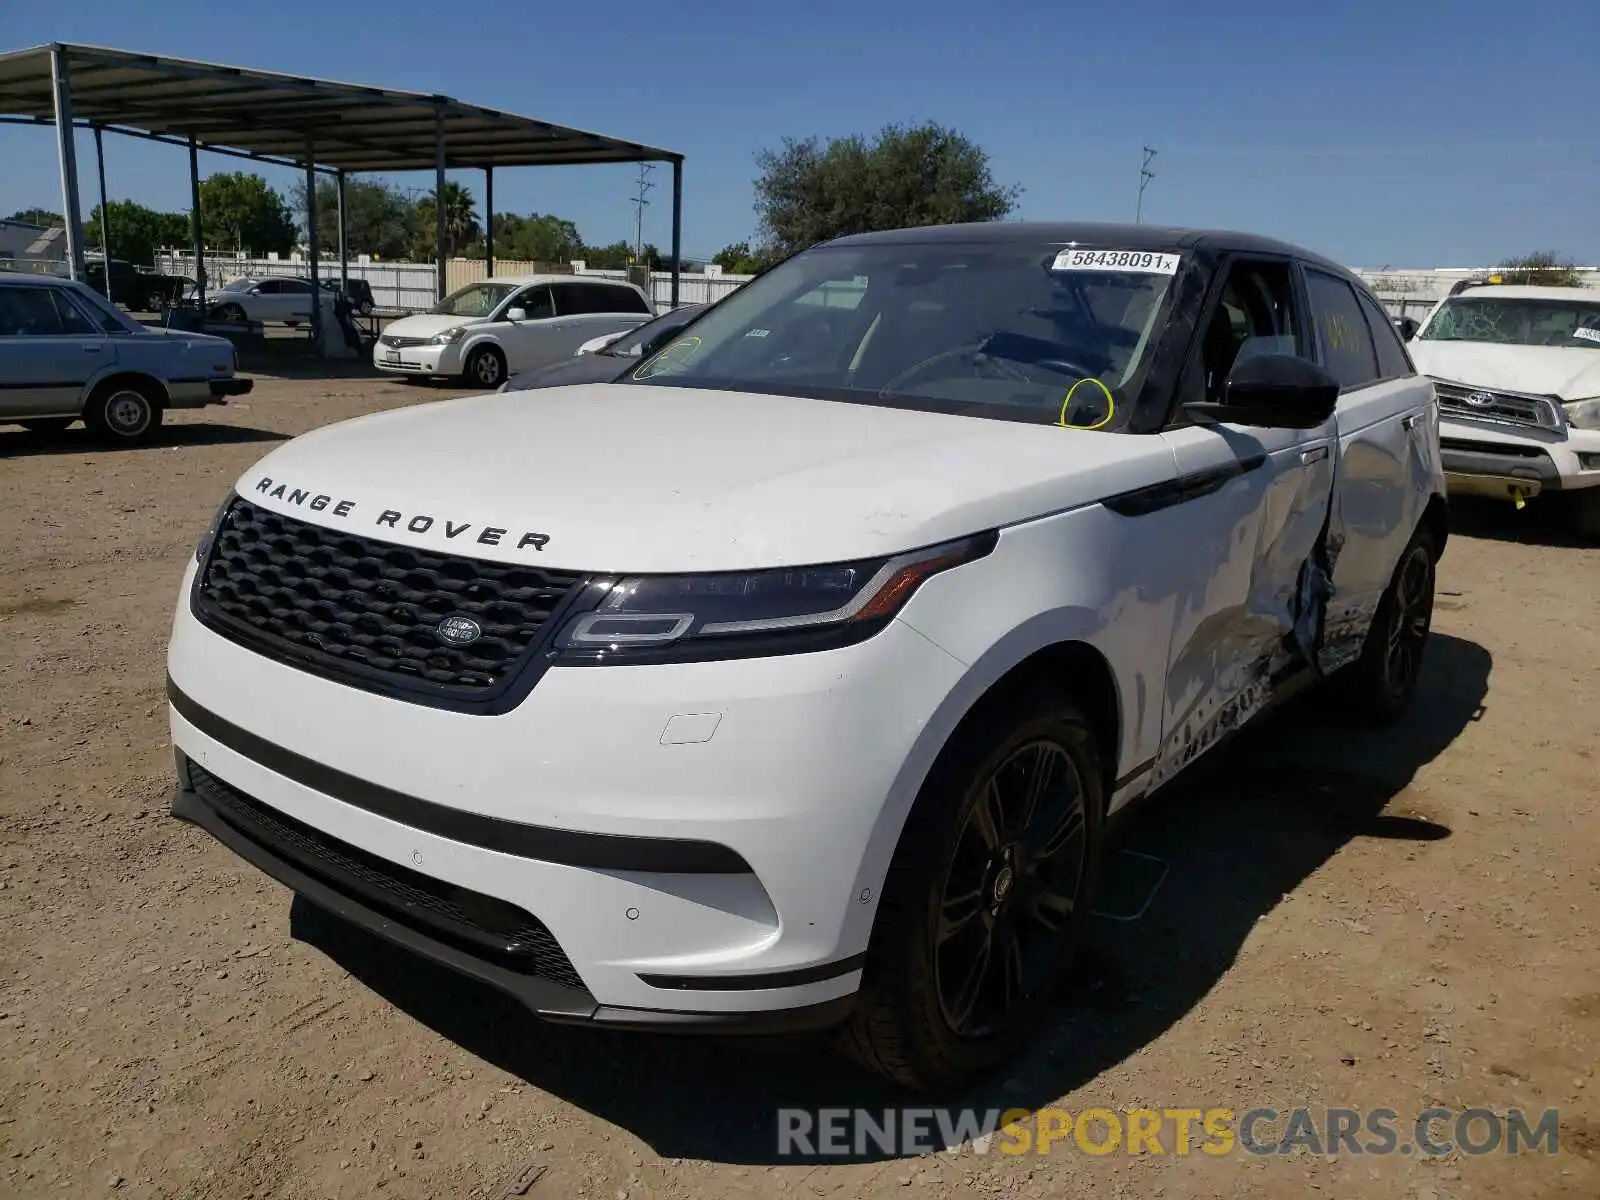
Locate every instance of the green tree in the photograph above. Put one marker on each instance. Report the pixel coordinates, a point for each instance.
(378, 220)
(609, 258)
(537, 237)
(1542, 267)
(461, 228)
(740, 259)
(240, 212)
(904, 176)
(37, 216)
(137, 232)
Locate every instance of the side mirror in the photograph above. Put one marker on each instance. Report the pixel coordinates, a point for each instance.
(1272, 391)
(516, 314)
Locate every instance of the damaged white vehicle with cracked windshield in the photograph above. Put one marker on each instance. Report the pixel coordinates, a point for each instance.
(1517, 370)
(789, 682)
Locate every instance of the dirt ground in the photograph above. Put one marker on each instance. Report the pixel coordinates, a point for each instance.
(1389, 920)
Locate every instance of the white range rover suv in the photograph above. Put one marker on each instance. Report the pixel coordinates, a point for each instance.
(789, 682)
(1517, 371)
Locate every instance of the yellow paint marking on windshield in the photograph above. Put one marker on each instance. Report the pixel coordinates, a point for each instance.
(1111, 404)
(646, 369)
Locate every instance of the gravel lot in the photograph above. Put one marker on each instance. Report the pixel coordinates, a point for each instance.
(1399, 920)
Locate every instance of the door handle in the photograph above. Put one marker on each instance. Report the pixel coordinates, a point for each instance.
(1410, 422)
(1315, 454)
(91, 348)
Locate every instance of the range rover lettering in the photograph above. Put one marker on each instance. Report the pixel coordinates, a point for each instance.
(861, 606)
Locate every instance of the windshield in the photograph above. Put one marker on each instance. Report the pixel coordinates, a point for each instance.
(631, 345)
(1003, 330)
(474, 300)
(1512, 321)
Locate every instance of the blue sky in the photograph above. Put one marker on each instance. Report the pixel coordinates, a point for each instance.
(1382, 134)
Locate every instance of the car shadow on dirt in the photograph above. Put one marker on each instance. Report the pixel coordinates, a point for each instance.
(21, 443)
(1238, 832)
(1547, 520)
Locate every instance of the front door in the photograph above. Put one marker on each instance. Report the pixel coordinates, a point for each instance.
(1248, 517)
(525, 342)
(48, 351)
(1383, 473)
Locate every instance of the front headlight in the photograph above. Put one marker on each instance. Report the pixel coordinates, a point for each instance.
(203, 547)
(1583, 414)
(785, 610)
(446, 337)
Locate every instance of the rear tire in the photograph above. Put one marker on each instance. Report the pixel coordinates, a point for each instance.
(47, 425)
(986, 898)
(486, 368)
(1378, 687)
(125, 412)
(229, 312)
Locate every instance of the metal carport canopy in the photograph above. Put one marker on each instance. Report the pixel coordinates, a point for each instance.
(289, 120)
(352, 127)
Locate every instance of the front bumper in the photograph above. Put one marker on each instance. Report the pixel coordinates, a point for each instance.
(394, 904)
(1506, 461)
(427, 359)
(700, 839)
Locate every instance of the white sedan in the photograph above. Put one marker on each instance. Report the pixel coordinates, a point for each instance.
(487, 331)
(282, 300)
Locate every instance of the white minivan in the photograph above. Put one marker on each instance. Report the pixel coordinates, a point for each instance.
(790, 680)
(487, 331)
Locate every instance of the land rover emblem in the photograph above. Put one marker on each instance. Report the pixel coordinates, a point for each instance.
(1480, 399)
(458, 631)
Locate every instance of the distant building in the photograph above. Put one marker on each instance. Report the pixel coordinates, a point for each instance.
(31, 247)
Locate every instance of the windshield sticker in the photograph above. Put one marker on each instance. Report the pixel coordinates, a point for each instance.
(1144, 262)
(758, 333)
(1592, 335)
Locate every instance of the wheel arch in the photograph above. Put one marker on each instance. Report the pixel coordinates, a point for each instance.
(113, 376)
(1068, 662)
(1436, 520)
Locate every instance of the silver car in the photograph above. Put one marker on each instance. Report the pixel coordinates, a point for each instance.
(67, 353)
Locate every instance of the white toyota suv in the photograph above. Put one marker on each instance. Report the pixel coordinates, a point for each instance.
(488, 331)
(1517, 370)
(789, 682)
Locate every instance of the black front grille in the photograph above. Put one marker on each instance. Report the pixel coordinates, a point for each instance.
(479, 924)
(365, 610)
(397, 341)
(1490, 404)
(1514, 449)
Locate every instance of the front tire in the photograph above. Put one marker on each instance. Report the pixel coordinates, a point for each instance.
(1379, 686)
(986, 898)
(486, 368)
(126, 413)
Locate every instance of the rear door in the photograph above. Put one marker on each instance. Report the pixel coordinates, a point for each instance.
(294, 300)
(48, 351)
(1380, 490)
(1247, 516)
(587, 310)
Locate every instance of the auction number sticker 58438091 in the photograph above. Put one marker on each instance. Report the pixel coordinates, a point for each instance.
(1147, 262)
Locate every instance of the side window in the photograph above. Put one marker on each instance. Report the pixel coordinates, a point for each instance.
(535, 301)
(294, 287)
(610, 299)
(1255, 315)
(28, 312)
(269, 287)
(571, 299)
(1393, 361)
(72, 317)
(1347, 351)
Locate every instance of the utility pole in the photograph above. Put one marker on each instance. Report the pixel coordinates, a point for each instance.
(1145, 176)
(640, 204)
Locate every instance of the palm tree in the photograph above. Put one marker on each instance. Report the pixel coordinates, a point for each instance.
(460, 220)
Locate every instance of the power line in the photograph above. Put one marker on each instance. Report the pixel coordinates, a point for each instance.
(640, 204)
(1145, 176)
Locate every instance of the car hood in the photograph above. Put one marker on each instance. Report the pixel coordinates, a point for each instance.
(1570, 372)
(427, 324)
(586, 368)
(628, 477)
